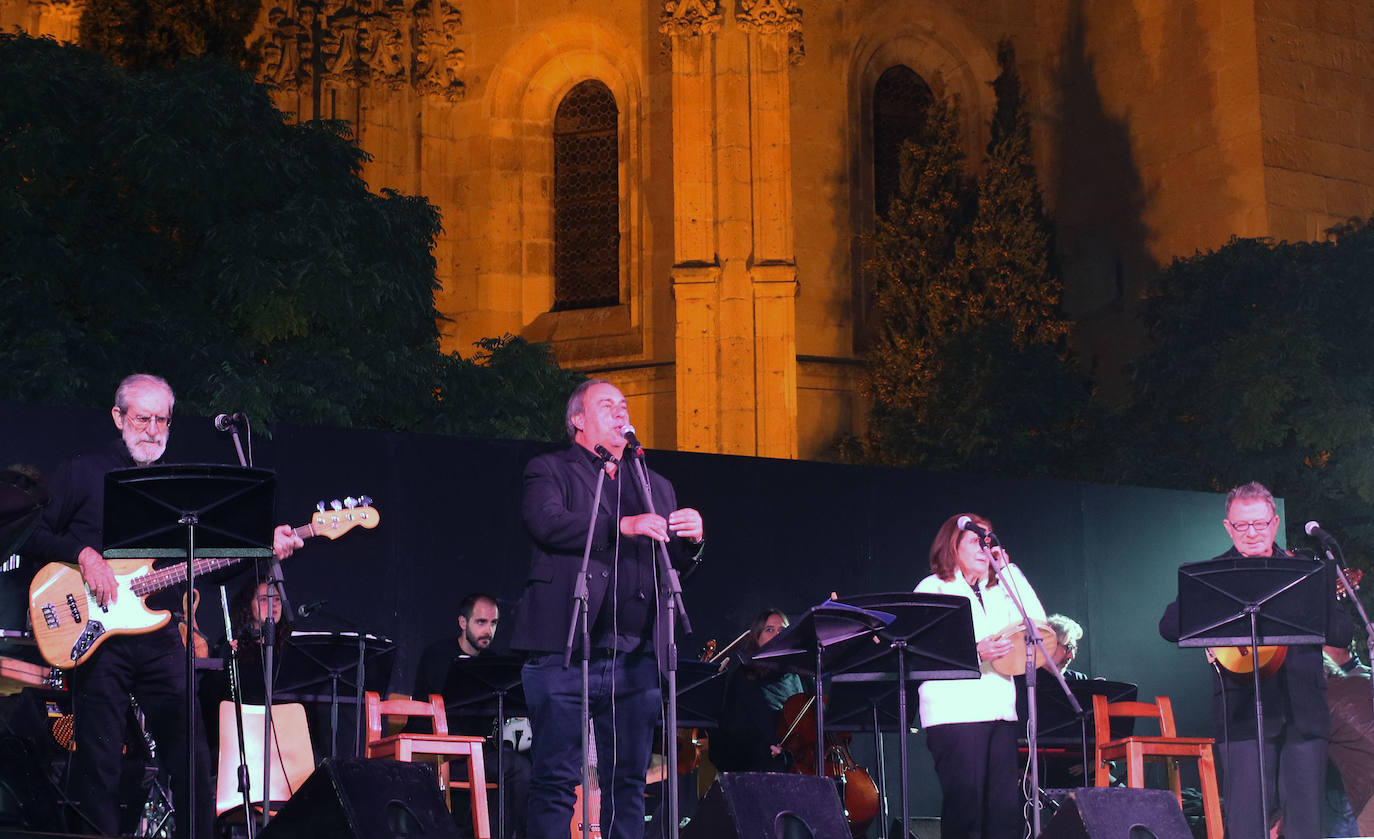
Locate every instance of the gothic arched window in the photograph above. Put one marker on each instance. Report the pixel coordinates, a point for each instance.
(900, 100)
(586, 199)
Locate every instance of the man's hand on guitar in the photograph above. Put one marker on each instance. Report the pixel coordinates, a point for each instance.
(285, 541)
(99, 577)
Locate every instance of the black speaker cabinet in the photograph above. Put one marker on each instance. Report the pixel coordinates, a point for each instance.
(1118, 813)
(359, 798)
(767, 805)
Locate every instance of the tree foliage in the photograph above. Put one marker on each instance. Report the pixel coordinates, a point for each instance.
(146, 34)
(1260, 366)
(969, 369)
(173, 221)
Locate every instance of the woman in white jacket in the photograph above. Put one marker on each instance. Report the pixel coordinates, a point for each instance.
(971, 727)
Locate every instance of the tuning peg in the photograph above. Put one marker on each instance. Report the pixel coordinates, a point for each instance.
(336, 504)
(319, 505)
(366, 500)
(350, 502)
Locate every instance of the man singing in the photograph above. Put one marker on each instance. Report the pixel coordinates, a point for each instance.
(623, 602)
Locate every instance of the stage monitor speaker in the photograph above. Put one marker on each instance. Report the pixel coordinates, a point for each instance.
(1118, 813)
(362, 798)
(920, 827)
(768, 805)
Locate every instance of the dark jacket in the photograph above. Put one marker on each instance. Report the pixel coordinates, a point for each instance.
(558, 491)
(1295, 695)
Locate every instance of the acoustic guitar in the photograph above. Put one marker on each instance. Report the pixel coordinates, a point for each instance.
(69, 625)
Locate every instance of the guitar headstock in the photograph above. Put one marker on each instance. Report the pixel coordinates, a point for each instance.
(343, 516)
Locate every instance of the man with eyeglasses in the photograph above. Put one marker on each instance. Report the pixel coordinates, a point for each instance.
(149, 667)
(1296, 719)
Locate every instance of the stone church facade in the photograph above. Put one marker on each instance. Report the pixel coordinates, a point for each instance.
(674, 193)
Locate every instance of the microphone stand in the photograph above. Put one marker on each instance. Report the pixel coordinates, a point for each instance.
(1354, 597)
(235, 692)
(1033, 642)
(578, 624)
(670, 595)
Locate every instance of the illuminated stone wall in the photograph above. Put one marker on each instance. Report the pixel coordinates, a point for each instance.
(746, 170)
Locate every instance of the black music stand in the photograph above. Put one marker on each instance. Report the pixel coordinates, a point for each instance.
(824, 640)
(700, 693)
(319, 662)
(22, 500)
(487, 684)
(1250, 601)
(164, 510)
(930, 637)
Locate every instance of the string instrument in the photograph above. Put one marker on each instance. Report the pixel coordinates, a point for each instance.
(201, 642)
(797, 734)
(1014, 662)
(1239, 662)
(69, 624)
(691, 742)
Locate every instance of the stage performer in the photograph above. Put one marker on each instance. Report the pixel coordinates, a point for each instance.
(1296, 718)
(151, 666)
(971, 726)
(746, 736)
(623, 585)
(478, 616)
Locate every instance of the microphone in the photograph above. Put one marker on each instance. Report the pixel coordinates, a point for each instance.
(1315, 531)
(631, 441)
(223, 422)
(305, 610)
(605, 454)
(966, 523)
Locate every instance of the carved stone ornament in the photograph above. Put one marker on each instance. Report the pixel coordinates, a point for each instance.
(690, 17)
(774, 17)
(360, 43)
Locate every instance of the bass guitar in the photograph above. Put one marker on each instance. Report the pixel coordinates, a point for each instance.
(69, 625)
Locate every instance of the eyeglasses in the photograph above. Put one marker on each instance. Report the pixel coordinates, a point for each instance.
(141, 421)
(1247, 526)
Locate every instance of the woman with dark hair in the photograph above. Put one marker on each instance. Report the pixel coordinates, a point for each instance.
(746, 739)
(970, 724)
(248, 612)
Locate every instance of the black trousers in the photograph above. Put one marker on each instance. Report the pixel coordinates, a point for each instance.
(152, 669)
(1296, 773)
(979, 772)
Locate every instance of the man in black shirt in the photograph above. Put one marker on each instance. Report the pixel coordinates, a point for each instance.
(478, 616)
(1296, 719)
(622, 610)
(149, 667)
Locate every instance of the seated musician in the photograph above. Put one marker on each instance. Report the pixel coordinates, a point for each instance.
(478, 615)
(746, 739)
(1068, 632)
(248, 613)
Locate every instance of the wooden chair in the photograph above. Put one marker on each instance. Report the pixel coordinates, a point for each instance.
(407, 747)
(293, 757)
(1168, 747)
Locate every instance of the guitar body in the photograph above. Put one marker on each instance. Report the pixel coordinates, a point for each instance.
(1238, 661)
(68, 624)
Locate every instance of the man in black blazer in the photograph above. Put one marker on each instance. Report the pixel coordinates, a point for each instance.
(1296, 719)
(622, 614)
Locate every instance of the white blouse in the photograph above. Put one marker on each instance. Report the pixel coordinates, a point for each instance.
(992, 696)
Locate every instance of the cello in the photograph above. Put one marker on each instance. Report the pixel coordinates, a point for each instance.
(797, 734)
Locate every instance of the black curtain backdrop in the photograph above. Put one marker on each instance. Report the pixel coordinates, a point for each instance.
(781, 533)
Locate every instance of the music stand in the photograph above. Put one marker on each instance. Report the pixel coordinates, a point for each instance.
(163, 510)
(470, 686)
(1059, 726)
(930, 637)
(321, 658)
(700, 693)
(1249, 601)
(823, 639)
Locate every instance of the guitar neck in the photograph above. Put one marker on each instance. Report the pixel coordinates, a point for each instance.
(161, 579)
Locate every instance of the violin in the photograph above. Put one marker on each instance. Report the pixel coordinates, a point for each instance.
(797, 733)
(202, 644)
